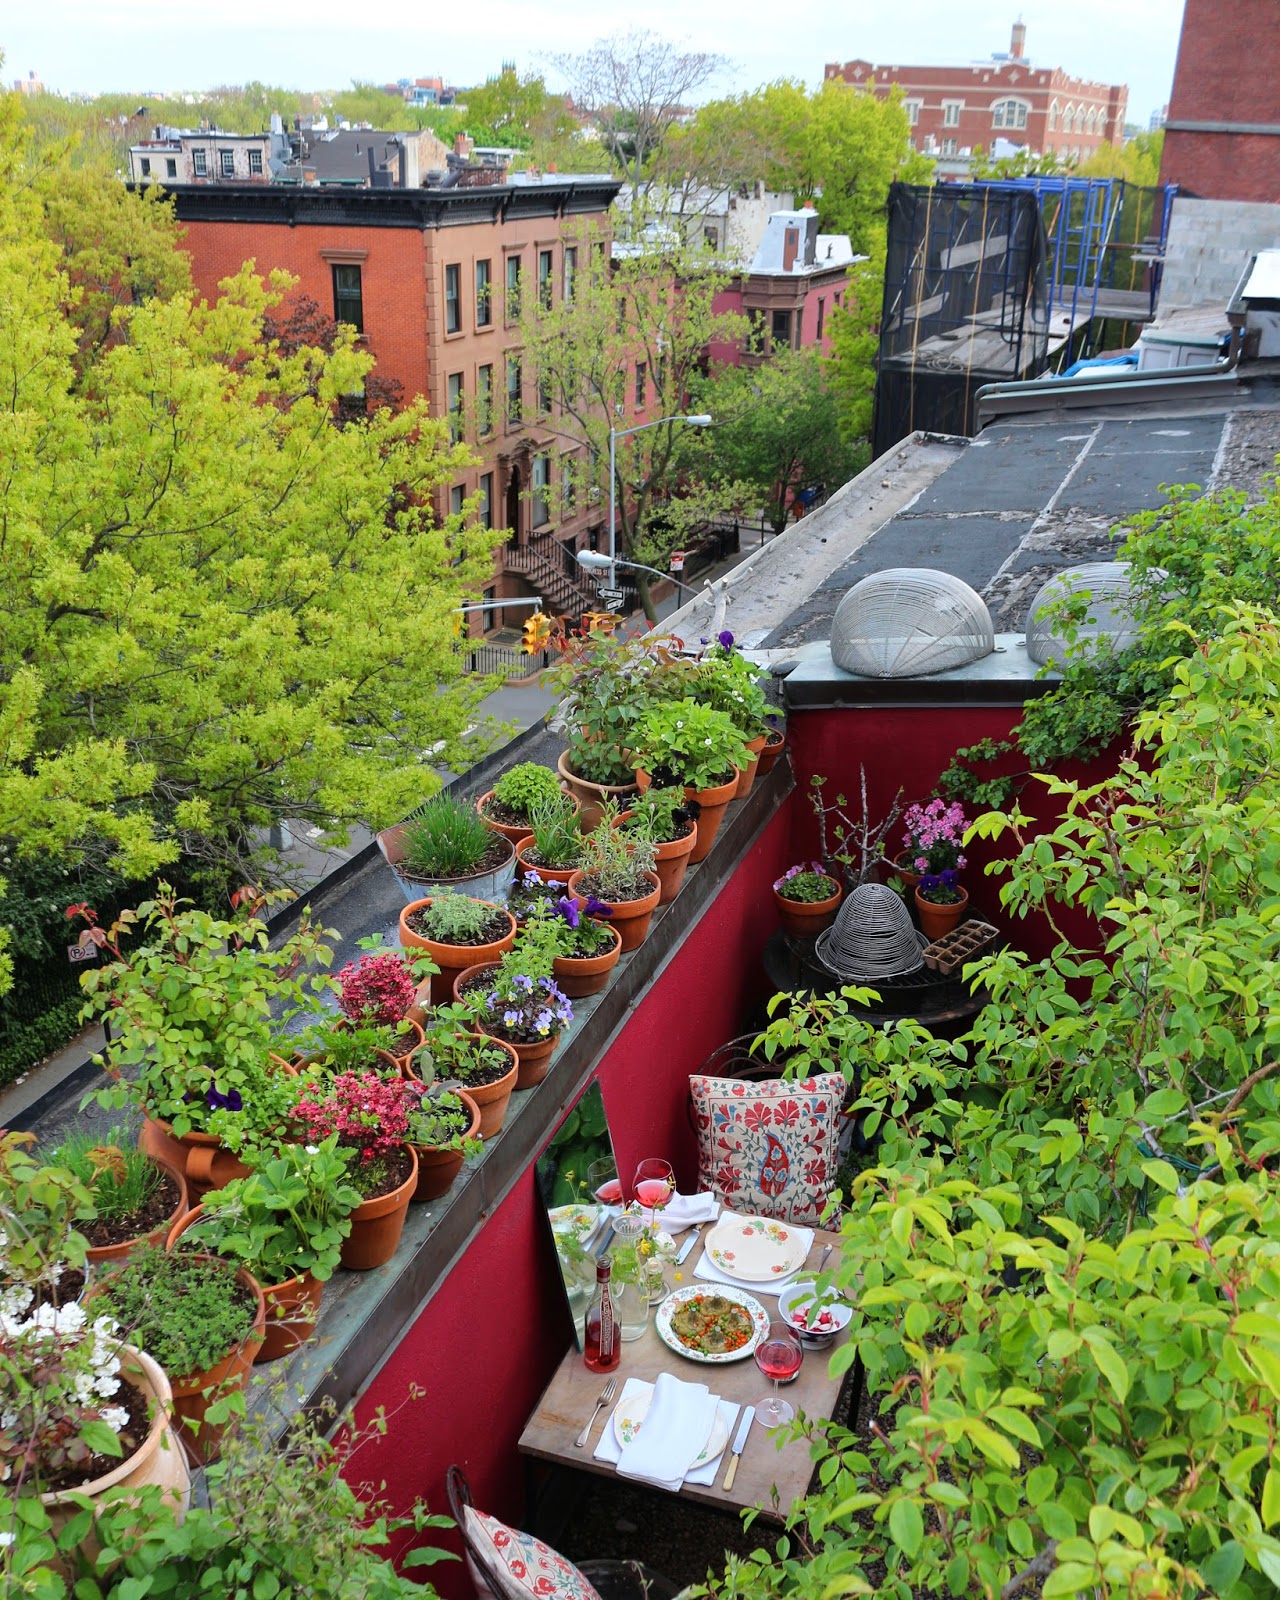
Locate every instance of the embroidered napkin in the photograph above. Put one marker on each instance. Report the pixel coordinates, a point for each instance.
(710, 1273)
(684, 1210)
(609, 1449)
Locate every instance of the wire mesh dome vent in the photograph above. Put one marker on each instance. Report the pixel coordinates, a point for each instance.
(906, 622)
(872, 937)
(1110, 615)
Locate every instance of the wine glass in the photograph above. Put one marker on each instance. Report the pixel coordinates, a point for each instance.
(654, 1184)
(603, 1184)
(778, 1355)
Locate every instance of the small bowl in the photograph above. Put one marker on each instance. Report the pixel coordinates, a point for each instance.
(841, 1314)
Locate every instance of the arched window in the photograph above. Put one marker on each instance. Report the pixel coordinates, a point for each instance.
(1053, 116)
(1009, 114)
(1088, 121)
(1068, 118)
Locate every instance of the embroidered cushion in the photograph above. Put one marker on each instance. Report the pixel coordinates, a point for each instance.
(769, 1148)
(517, 1566)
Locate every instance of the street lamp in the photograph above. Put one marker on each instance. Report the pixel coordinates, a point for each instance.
(699, 420)
(597, 561)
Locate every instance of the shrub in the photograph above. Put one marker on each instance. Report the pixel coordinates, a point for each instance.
(378, 988)
(693, 744)
(526, 785)
(447, 839)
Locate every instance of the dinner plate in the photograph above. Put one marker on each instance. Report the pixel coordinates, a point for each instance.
(755, 1249)
(577, 1220)
(631, 1411)
(679, 1297)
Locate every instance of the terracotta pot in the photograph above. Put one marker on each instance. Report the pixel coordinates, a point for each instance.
(517, 833)
(417, 1012)
(547, 874)
(671, 861)
(453, 958)
(775, 743)
(631, 918)
(438, 1168)
(203, 1162)
(292, 1306)
(712, 805)
(935, 920)
(533, 1061)
(157, 1460)
(897, 868)
(579, 976)
(807, 919)
(157, 1236)
(747, 778)
(376, 1225)
(591, 797)
(492, 1098)
(491, 884)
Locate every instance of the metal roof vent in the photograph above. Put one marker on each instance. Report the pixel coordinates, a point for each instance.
(1110, 616)
(907, 622)
(872, 937)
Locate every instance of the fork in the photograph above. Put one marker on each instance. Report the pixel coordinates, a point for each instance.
(606, 1394)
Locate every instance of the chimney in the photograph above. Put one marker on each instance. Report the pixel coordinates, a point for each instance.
(462, 146)
(1018, 43)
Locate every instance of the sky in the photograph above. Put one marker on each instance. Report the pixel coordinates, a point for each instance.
(155, 45)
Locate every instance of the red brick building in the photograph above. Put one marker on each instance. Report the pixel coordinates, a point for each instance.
(1222, 132)
(953, 109)
(795, 281)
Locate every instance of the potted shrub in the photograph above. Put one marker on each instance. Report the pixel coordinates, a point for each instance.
(932, 842)
(455, 1055)
(444, 1129)
(529, 892)
(43, 1260)
(508, 806)
(381, 988)
(370, 1116)
(448, 845)
(201, 1318)
(725, 680)
(583, 950)
(941, 903)
(519, 1002)
(135, 1197)
(617, 870)
(595, 774)
(807, 898)
(456, 932)
(554, 847)
(666, 819)
(682, 742)
(285, 1224)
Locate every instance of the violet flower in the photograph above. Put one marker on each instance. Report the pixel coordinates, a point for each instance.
(725, 638)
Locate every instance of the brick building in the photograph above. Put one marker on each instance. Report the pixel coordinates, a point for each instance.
(200, 156)
(796, 279)
(430, 278)
(1222, 132)
(953, 109)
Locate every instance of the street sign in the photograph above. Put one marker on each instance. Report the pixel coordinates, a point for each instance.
(76, 953)
(609, 597)
(677, 561)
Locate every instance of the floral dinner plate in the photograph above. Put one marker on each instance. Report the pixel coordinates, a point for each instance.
(577, 1220)
(629, 1415)
(711, 1322)
(755, 1249)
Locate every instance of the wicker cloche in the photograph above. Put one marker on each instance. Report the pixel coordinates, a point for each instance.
(907, 622)
(1109, 586)
(872, 937)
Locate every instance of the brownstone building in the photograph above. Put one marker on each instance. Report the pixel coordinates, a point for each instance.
(953, 109)
(1222, 132)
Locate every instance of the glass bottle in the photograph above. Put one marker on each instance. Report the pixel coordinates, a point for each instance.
(631, 1290)
(601, 1345)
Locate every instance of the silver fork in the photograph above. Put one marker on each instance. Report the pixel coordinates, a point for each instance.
(606, 1394)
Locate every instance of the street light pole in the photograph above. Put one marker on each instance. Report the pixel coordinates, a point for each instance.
(698, 420)
(593, 561)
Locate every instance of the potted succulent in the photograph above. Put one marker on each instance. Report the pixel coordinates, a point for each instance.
(448, 845)
(508, 806)
(456, 932)
(444, 1129)
(530, 891)
(667, 820)
(519, 1002)
(456, 1056)
(201, 1318)
(807, 898)
(940, 903)
(932, 842)
(583, 949)
(136, 1198)
(683, 742)
(285, 1224)
(369, 1115)
(554, 847)
(725, 680)
(617, 870)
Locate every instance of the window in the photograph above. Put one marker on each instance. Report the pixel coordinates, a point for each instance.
(484, 400)
(913, 111)
(642, 381)
(780, 330)
(145, 164)
(1088, 120)
(951, 110)
(570, 270)
(348, 298)
(835, 298)
(514, 381)
(456, 496)
(455, 406)
(453, 299)
(822, 315)
(484, 295)
(200, 163)
(486, 499)
(948, 147)
(228, 160)
(711, 238)
(513, 288)
(1068, 118)
(1009, 114)
(566, 486)
(544, 394)
(546, 293)
(540, 482)
(255, 163)
(171, 167)
(1053, 116)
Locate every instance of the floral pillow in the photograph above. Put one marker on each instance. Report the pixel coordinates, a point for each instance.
(516, 1566)
(769, 1149)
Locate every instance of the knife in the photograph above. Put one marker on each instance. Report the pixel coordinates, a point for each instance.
(739, 1445)
(689, 1243)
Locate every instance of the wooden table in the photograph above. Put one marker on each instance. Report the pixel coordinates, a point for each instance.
(767, 1477)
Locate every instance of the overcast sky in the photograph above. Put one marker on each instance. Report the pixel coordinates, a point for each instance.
(152, 45)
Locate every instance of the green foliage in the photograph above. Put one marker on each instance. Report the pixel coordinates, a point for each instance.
(807, 888)
(455, 919)
(526, 785)
(29, 1042)
(726, 681)
(518, 112)
(439, 1121)
(557, 836)
(615, 864)
(186, 1311)
(39, 1207)
(855, 339)
(120, 1177)
(455, 1053)
(962, 779)
(338, 1046)
(1137, 160)
(446, 839)
(660, 815)
(690, 742)
(603, 686)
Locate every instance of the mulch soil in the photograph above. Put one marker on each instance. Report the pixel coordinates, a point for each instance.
(495, 811)
(132, 1436)
(138, 1224)
(495, 928)
(398, 1165)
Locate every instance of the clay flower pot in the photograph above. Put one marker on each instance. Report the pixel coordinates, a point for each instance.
(438, 1168)
(775, 743)
(590, 796)
(376, 1225)
(417, 1012)
(936, 920)
(492, 1098)
(579, 976)
(547, 874)
(204, 1163)
(900, 868)
(516, 832)
(806, 919)
(712, 805)
(631, 918)
(533, 1061)
(671, 861)
(117, 1252)
(195, 1392)
(453, 958)
(747, 777)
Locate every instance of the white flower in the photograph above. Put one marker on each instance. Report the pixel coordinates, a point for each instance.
(7, 1539)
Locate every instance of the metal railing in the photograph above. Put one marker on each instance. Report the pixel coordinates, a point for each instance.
(509, 660)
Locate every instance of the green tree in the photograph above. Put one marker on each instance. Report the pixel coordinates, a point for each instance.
(851, 367)
(1136, 161)
(517, 111)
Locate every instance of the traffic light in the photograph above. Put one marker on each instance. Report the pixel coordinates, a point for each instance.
(537, 631)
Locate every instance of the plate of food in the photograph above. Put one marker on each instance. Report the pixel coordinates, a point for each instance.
(575, 1220)
(756, 1249)
(711, 1323)
(631, 1410)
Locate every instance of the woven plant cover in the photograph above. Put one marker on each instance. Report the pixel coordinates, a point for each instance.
(1110, 617)
(872, 937)
(907, 622)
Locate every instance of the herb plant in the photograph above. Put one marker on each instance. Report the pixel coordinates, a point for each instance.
(557, 838)
(616, 864)
(328, 1049)
(447, 839)
(454, 1052)
(661, 815)
(120, 1177)
(526, 785)
(691, 743)
(439, 1120)
(39, 1207)
(806, 883)
(453, 918)
(186, 1311)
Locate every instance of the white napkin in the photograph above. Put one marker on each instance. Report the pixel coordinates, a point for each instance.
(684, 1210)
(710, 1273)
(680, 1401)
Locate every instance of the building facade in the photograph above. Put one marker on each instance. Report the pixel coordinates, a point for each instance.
(431, 280)
(953, 110)
(797, 278)
(200, 156)
(1222, 133)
